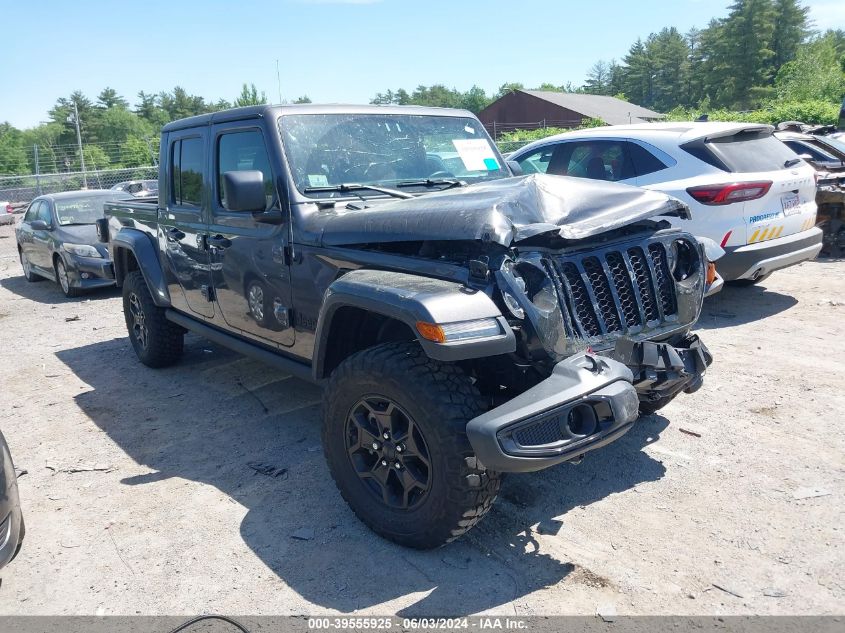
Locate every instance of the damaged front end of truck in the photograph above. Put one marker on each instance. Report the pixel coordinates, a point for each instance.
(599, 292)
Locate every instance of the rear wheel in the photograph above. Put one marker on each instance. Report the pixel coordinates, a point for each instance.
(63, 279)
(394, 435)
(28, 273)
(156, 341)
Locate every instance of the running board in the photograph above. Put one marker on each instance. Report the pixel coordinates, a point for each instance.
(295, 368)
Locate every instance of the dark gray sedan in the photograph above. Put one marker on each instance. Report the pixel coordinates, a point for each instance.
(57, 240)
(11, 520)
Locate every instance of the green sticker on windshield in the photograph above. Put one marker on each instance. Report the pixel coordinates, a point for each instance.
(491, 164)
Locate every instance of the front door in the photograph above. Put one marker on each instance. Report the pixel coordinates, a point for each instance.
(250, 273)
(182, 223)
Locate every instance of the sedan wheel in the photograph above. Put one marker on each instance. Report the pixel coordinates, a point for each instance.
(28, 273)
(64, 280)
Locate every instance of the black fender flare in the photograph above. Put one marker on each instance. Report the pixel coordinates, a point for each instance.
(145, 251)
(410, 299)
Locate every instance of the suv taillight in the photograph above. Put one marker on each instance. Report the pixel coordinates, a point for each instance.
(727, 194)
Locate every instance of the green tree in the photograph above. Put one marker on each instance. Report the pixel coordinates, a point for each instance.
(790, 31)
(302, 99)
(745, 53)
(108, 98)
(475, 100)
(507, 88)
(249, 96)
(816, 73)
(669, 53)
(599, 78)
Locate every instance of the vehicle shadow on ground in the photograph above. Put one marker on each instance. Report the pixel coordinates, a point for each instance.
(48, 292)
(737, 306)
(207, 419)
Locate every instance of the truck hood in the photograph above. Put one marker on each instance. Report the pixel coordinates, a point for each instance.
(503, 211)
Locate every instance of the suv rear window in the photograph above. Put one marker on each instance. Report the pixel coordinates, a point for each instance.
(744, 152)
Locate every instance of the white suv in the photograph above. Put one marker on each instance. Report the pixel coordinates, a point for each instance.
(748, 192)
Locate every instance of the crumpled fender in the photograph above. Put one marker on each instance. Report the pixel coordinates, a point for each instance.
(410, 299)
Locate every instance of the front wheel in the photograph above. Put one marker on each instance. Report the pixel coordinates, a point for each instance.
(156, 341)
(394, 435)
(64, 280)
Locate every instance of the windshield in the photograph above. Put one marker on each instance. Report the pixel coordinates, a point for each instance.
(81, 210)
(327, 150)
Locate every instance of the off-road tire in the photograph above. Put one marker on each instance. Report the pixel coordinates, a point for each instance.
(28, 273)
(164, 341)
(440, 399)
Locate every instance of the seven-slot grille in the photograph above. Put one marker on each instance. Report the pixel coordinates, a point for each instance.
(614, 291)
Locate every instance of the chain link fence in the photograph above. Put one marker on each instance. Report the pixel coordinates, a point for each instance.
(22, 189)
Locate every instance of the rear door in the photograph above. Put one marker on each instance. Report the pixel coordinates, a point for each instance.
(25, 233)
(183, 222)
(251, 274)
(40, 254)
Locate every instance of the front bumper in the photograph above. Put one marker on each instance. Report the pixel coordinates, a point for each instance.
(89, 272)
(663, 370)
(586, 403)
(761, 258)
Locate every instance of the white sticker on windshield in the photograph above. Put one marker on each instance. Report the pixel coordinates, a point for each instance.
(476, 154)
(318, 180)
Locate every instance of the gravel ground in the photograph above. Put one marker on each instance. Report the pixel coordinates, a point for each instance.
(729, 502)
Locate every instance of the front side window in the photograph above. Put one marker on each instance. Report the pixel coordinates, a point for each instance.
(32, 212)
(186, 160)
(537, 162)
(327, 150)
(243, 151)
(44, 214)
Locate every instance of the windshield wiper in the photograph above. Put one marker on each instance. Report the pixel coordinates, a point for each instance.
(433, 182)
(792, 162)
(352, 187)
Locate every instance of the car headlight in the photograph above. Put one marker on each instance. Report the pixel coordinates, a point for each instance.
(82, 250)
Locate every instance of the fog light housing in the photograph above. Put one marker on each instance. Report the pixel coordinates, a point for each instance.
(85, 275)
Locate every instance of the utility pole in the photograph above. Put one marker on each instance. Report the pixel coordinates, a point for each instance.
(37, 169)
(79, 142)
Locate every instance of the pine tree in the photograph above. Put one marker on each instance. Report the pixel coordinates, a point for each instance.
(790, 30)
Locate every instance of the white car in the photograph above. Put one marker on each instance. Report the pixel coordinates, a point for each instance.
(747, 191)
(6, 212)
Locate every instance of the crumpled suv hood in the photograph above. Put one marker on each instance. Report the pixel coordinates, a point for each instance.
(503, 211)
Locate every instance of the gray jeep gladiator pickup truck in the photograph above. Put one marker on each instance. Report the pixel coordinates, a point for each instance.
(464, 321)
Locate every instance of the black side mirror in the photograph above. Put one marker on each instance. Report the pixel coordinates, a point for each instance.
(39, 225)
(515, 167)
(102, 229)
(244, 191)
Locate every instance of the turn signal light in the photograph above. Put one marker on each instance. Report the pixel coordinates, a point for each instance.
(730, 193)
(711, 272)
(460, 331)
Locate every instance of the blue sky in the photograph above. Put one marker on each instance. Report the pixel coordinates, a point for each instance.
(331, 50)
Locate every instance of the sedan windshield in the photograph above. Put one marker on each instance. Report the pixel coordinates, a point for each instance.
(412, 152)
(81, 210)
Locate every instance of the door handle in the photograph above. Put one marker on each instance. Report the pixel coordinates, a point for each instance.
(174, 235)
(219, 242)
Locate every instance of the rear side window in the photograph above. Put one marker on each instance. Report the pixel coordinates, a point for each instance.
(243, 151)
(644, 161)
(750, 151)
(186, 172)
